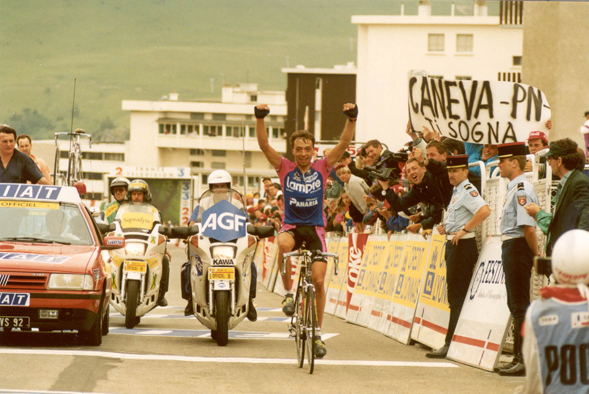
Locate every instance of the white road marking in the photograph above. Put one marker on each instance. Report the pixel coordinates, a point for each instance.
(192, 317)
(207, 333)
(225, 360)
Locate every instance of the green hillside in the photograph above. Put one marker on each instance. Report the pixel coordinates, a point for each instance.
(144, 49)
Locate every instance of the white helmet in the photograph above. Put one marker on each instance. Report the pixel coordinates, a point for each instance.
(570, 257)
(219, 176)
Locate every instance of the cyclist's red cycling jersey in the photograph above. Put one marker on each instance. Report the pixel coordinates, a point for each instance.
(303, 193)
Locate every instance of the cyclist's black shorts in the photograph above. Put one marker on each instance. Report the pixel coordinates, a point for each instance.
(313, 236)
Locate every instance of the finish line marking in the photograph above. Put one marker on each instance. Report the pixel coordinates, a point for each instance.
(207, 333)
(225, 360)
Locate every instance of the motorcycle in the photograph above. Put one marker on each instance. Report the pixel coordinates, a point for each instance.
(220, 259)
(137, 268)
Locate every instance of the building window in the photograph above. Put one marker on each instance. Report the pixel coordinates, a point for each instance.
(212, 131)
(197, 152)
(217, 165)
(435, 43)
(517, 60)
(197, 116)
(509, 76)
(248, 159)
(168, 128)
(63, 154)
(92, 155)
(94, 176)
(182, 129)
(252, 131)
(253, 98)
(275, 132)
(205, 179)
(114, 156)
(218, 153)
(463, 78)
(251, 181)
(237, 181)
(234, 131)
(196, 164)
(92, 196)
(464, 43)
(219, 116)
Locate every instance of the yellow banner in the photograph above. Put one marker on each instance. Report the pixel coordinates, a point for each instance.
(390, 270)
(372, 264)
(28, 204)
(409, 280)
(435, 292)
(137, 220)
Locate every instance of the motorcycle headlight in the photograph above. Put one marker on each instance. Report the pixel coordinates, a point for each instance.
(70, 282)
(223, 252)
(135, 249)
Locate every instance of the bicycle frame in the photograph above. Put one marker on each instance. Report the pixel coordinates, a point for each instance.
(74, 170)
(304, 322)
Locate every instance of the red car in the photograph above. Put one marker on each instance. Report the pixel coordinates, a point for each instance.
(52, 272)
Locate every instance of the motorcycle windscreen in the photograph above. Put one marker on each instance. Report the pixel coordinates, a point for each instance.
(221, 215)
(137, 217)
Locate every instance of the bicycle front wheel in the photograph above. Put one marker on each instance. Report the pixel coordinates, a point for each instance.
(310, 324)
(299, 324)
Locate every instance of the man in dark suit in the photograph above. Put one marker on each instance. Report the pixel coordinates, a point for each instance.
(572, 194)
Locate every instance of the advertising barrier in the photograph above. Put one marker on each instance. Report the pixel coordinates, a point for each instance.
(407, 289)
(334, 288)
(484, 319)
(362, 300)
(382, 306)
(430, 324)
(332, 244)
(356, 248)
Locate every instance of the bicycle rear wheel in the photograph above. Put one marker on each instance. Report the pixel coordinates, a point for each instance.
(299, 324)
(310, 323)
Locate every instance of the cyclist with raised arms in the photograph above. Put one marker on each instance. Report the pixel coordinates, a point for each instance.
(303, 183)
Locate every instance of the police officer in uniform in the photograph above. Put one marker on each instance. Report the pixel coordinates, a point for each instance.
(520, 244)
(466, 211)
(556, 339)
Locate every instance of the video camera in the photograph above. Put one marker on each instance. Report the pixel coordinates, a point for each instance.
(543, 265)
(388, 167)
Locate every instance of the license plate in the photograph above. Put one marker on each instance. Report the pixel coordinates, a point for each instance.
(136, 266)
(216, 273)
(14, 322)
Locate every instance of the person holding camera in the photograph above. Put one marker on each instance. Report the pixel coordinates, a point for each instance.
(466, 211)
(572, 194)
(556, 330)
(430, 185)
(519, 244)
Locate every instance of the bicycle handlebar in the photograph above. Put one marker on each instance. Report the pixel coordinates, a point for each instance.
(317, 253)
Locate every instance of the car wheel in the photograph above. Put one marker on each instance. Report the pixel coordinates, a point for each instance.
(94, 336)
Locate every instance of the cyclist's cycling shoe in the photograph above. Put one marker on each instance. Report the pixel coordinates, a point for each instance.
(288, 306)
(320, 350)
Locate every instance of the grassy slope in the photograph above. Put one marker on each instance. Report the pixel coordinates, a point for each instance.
(143, 49)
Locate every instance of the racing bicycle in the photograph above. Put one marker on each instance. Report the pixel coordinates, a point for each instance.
(304, 321)
(74, 166)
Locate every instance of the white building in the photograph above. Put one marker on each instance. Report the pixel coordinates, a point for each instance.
(206, 136)
(451, 47)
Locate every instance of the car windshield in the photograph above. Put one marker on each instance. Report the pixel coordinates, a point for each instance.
(45, 222)
(138, 217)
(212, 197)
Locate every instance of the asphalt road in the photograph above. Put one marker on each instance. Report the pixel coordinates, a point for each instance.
(170, 353)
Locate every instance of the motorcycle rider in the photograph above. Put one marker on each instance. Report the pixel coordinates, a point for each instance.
(118, 189)
(138, 192)
(220, 185)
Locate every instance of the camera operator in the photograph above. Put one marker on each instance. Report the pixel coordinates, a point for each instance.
(556, 330)
(430, 185)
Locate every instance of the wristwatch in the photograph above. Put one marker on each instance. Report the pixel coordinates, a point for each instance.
(465, 230)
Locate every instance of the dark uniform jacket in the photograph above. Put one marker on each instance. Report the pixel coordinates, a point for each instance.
(572, 208)
(435, 189)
